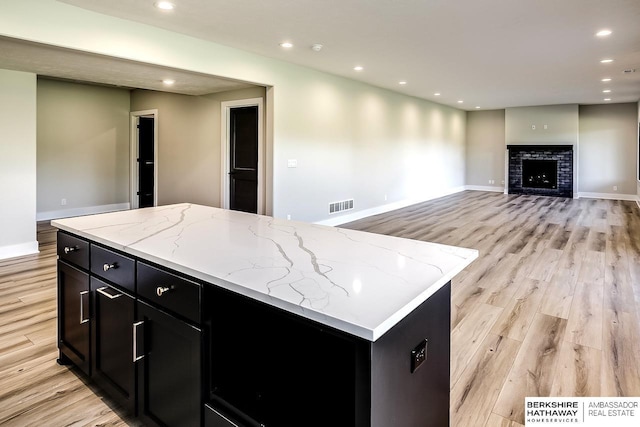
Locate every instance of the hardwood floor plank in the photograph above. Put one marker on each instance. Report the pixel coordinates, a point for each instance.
(476, 391)
(516, 318)
(586, 315)
(578, 372)
(559, 294)
(620, 355)
(467, 337)
(534, 368)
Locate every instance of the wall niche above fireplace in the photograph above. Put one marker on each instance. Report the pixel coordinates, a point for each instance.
(544, 170)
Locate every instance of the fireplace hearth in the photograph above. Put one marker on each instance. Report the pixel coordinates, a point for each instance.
(545, 170)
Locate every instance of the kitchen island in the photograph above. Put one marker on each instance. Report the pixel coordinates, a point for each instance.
(273, 322)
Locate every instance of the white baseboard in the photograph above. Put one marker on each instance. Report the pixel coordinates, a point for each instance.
(638, 201)
(484, 188)
(22, 249)
(89, 210)
(607, 196)
(343, 219)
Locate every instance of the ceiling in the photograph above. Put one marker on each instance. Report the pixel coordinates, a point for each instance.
(489, 53)
(79, 66)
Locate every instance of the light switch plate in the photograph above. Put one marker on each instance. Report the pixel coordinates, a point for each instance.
(292, 163)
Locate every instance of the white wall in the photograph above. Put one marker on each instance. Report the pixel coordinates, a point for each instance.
(485, 148)
(561, 122)
(608, 149)
(350, 139)
(17, 164)
(83, 149)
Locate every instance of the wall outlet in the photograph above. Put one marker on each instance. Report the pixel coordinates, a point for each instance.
(546, 127)
(288, 217)
(292, 163)
(615, 188)
(385, 197)
(63, 202)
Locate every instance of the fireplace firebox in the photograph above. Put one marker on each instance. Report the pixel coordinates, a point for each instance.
(544, 170)
(540, 173)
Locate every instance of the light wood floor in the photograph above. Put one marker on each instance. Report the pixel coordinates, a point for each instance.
(550, 308)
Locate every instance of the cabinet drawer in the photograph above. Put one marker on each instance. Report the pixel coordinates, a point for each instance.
(73, 250)
(169, 291)
(114, 267)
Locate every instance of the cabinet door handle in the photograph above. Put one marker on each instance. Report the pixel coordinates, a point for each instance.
(103, 291)
(82, 296)
(69, 249)
(135, 341)
(108, 267)
(161, 290)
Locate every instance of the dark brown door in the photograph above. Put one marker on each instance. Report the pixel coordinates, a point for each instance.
(145, 162)
(243, 167)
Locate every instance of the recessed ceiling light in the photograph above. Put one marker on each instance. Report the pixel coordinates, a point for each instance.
(460, 101)
(606, 91)
(168, 82)
(607, 99)
(402, 83)
(358, 68)
(317, 47)
(606, 61)
(165, 5)
(477, 106)
(606, 80)
(436, 94)
(603, 33)
(286, 45)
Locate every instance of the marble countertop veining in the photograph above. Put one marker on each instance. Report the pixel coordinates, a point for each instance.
(360, 283)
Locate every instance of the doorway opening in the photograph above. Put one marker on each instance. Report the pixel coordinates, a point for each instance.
(242, 181)
(144, 158)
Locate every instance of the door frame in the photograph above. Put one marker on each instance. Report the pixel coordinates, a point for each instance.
(133, 170)
(225, 153)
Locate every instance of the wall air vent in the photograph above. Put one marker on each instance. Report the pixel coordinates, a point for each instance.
(344, 205)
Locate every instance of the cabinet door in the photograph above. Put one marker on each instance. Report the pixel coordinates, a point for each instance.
(73, 316)
(112, 343)
(169, 371)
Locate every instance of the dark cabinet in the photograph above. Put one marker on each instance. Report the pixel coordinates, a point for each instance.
(73, 317)
(169, 369)
(113, 367)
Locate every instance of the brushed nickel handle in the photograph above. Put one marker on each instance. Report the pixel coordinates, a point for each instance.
(108, 267)
(161, 290)
(135, 341)
(69, 249)
(82, 295)
(102, 291)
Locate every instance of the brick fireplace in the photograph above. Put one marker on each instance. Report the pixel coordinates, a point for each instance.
(545, 170)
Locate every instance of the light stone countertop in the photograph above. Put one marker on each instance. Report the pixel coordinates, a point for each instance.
(360, 283)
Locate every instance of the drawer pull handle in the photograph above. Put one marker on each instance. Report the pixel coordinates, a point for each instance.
(83, 294)
(102, 291)
(162, 290)
(136, 357)
(69, 249)
(108, 267)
